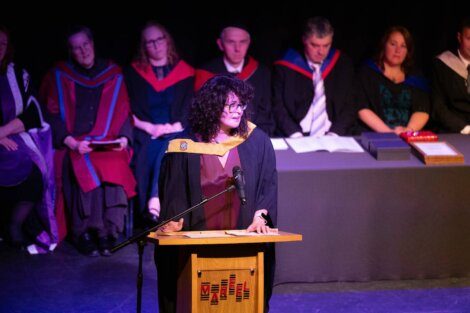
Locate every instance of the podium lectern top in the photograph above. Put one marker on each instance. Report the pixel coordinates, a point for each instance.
(217, 237)
(216, 276)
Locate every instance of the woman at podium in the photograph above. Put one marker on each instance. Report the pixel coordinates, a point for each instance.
(221, 140)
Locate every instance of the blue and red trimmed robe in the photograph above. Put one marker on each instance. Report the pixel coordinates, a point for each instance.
(293, 92)
(94, 168)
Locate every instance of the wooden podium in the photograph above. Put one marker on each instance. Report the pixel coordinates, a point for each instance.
(220, 272)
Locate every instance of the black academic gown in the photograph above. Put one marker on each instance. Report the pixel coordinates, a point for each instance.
(372, 85)
(180, 188)
(293, 94)
(450, 99)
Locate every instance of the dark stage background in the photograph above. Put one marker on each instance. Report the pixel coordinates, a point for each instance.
(38, 34)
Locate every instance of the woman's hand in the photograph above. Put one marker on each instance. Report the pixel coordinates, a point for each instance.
(172, 226)
(9, 144)
(157, 130)
(176, 127)
(122, 144)
(154, 206)
(400, 129)
(259, 223)
(83, 147)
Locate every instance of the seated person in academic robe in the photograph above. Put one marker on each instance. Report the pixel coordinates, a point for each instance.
(87, 101)
(200, 165)
(26, 177)
(312, 89)
(160, 87)
(389, 94)
(451, 85)
(234, 42)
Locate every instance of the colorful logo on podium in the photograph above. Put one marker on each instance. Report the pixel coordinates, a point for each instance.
(218, 292)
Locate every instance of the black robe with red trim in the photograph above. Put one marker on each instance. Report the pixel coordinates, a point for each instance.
(293, 92)
(143, 86)
(256, 74)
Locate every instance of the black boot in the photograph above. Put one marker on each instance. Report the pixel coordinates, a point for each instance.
(105, 244)
(86, 245)
(19, 215)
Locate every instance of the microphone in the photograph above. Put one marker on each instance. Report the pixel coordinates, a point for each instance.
(239, 183)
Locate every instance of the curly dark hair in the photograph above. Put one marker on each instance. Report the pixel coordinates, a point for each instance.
(380, 56)
(208, 105)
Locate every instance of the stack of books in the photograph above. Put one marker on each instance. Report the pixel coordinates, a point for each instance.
(385, 146)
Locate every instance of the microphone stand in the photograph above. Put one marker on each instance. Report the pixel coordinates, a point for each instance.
(141, 239)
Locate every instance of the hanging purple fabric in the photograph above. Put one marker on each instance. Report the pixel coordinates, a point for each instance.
(33, 146)
(15, 166)
(42, 155)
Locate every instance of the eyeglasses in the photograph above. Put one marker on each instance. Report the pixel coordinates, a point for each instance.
(155, 42)
(233, 107)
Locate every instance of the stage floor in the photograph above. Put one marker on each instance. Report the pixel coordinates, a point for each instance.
(66, 281)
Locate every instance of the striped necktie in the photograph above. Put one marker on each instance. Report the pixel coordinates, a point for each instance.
(320, 122)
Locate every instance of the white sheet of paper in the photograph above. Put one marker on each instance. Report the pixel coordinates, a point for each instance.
(341, 144)
(435, 148)
(326, 143)
(279, 144)
(243, 232)
(206, 235)
(304, 144)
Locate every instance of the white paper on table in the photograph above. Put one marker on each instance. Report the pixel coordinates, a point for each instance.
(325, 143)
(206, 235)
(279, 144)
(435, 148)
(243, 232)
